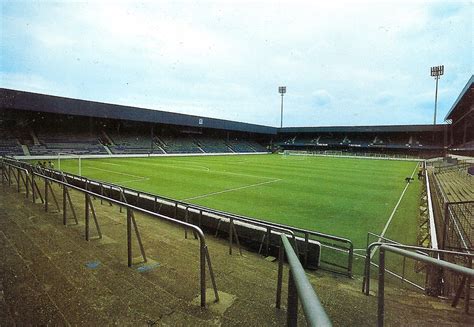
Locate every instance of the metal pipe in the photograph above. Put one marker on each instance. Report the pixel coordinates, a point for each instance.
(45, 195)
(281, 257)
(277, 227)
(129, 237)
(314, 311)
(202, 265)
(292, 311)
(366, 279)
(430, 260)
(196, 229)
(381, 291)
(64, 206)
(416, 256)
(87, 213)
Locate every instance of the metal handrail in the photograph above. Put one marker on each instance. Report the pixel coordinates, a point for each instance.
(469, 273)
(300, 288)
(349, 248)
(123, 190)
(196, 229)
(266, 224)
(27, 176)
(366, 279)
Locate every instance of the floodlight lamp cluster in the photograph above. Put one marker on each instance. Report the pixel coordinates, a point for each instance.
(282, 90)
(437, 71)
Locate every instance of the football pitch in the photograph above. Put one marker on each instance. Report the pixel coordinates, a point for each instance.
(347, 197)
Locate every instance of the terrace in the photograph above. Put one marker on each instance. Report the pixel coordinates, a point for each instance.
(131, 144)
(66, 143)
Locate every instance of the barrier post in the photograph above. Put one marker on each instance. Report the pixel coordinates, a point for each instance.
(202, 263)
(292, 313)
(87, 214)
(64, 205)
(380, 307)
(46, 195)
(129, 236)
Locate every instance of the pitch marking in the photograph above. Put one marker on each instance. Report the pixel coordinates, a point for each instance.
(109, 163)
(189, 166)
(137, 178)
(394, 210)
(231, 190)
(243, 175)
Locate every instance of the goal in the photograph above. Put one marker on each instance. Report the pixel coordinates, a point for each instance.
(69, 160)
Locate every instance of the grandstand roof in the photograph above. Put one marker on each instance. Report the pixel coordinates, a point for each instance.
(464, 102)
(366, 129)
(28, 101)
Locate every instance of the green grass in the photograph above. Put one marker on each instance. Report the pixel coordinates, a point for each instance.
(344, 197)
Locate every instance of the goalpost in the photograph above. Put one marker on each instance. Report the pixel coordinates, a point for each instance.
(69, 156)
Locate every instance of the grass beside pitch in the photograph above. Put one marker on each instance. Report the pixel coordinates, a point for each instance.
(341, 196)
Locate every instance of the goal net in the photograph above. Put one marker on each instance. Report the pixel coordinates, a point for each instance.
(69, 162)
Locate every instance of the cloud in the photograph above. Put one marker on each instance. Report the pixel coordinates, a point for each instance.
(30, 82)
(321, 98)
(343, 64)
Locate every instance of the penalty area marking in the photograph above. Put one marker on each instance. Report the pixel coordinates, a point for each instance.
(394, 210)
(109, 163)
(137, 178)
(231, 190)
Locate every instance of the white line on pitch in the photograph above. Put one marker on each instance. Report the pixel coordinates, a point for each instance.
(231, 190)
(134, 180)
(186, 166)
(109, 163)
(116, 172)
(243, 175)
(394, 210)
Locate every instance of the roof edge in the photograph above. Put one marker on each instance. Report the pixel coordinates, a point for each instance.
(461, 95)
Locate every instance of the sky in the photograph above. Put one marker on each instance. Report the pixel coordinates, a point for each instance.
(343, 62)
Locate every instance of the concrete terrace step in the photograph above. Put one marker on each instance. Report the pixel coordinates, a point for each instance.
(49, 280)
(172, 249)
(102, 280)
(122, 290)
(33, 242)
(22, 294)
(66, 248)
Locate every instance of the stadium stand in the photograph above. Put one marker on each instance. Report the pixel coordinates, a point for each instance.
(257, 147)
(461, 117)
(178, 144)
(240, 146)
(358, 140)
(66, 143)
(27, 238)
(213, 145)
(330, 139)
(9, 144)
(132, 144)
(456, 182)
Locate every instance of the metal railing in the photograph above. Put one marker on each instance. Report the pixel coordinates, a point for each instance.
(331, 242)
(466, 272)
(431, 216)
(396, 274)
(418, 250)
(335, 153)
(299, 288)
(7, 174)
(204, 252)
